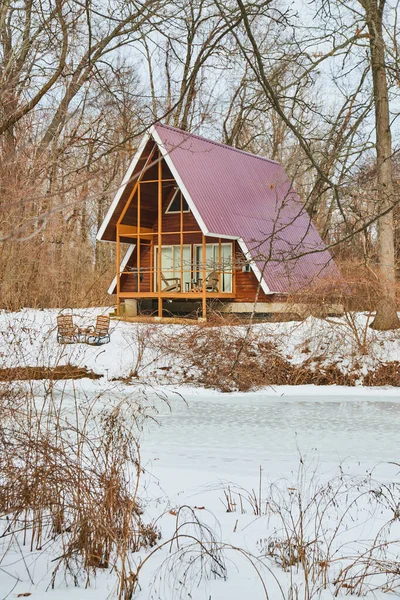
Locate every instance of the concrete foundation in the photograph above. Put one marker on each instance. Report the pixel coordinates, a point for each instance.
(130, 308)
(302, 310)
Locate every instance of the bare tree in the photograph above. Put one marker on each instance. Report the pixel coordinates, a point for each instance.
(373, 13)
(352, 39)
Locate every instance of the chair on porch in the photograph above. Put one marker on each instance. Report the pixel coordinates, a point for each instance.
(67, 332)
(171, 287)
(100, 333)
(212, 282)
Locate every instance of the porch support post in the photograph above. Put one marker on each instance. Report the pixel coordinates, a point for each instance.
(138, 239)
(159, 236)
(204, 275)
(151, 269)
(181, 240)
(118, 266)
(234, 267)
(219, 265)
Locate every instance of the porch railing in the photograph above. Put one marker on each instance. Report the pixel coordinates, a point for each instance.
(219, 279)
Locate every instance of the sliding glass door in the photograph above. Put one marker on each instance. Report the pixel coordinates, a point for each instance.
(219, 264)
(184, 272)
(173, 268)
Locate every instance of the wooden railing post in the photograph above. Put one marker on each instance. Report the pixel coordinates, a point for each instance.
(138, 239)
(181, 240)
(159, 236)
(118, 261)
(204, 276)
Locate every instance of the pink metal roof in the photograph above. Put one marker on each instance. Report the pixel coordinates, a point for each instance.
(240, 195)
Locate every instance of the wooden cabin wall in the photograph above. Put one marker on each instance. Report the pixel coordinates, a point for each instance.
(128, 281)
(246, 283)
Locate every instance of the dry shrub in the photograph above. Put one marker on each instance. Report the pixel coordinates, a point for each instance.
(139, 341)
(358, 290)
(310, 373)
(225, 358)
(388, 374)
(195, 554)
(41, 272)
(228, 359)
(70, 490)
(73, 485)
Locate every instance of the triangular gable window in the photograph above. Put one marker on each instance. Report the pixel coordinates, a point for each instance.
(175, 205)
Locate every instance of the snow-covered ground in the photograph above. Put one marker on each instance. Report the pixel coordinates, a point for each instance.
(28, 337)
(208, 443)
(207, 446)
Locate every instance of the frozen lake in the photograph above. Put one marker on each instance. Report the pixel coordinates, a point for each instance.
(230, 437)
(208, 440)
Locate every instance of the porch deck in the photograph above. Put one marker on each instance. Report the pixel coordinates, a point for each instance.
(177, 295)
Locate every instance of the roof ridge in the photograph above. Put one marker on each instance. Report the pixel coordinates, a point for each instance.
(204, 139)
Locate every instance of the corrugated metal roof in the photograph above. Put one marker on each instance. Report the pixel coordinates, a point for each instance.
(240, 195)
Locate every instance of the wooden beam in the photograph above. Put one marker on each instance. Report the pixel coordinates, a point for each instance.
(204, 276)
(219, 264)
(159, 233)
(118, 261)
(234, 267)
(181, 238)
(156, 180)
(138, 239)
(151, 274)
(132, 230)
(127, 204)
(178, 295)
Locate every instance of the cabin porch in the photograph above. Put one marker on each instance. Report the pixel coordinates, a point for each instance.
(198, 268)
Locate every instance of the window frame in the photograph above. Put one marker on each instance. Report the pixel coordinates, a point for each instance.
(176, 212)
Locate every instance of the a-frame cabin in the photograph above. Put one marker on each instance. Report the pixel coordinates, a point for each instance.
(229, 225)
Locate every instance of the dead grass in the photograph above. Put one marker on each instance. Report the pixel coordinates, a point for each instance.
(147, 319)
(228, 359)
(305, 529)
(72, 484)
(70, 488)
(50, 373)
(386, 374)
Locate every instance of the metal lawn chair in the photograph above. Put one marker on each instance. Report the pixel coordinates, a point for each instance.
(67, 332)
(100, 333)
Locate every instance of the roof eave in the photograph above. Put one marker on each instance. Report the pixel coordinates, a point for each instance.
(122, 187)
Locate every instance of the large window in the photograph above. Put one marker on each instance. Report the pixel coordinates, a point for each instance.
(216, 262)
(181, 269)
(171, 266)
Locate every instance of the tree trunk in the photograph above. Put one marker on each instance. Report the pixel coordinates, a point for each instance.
(386, 315)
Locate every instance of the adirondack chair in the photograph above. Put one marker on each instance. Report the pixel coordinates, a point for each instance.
(212, 282)
(171, 287)
(67, 332)
(100, 333)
